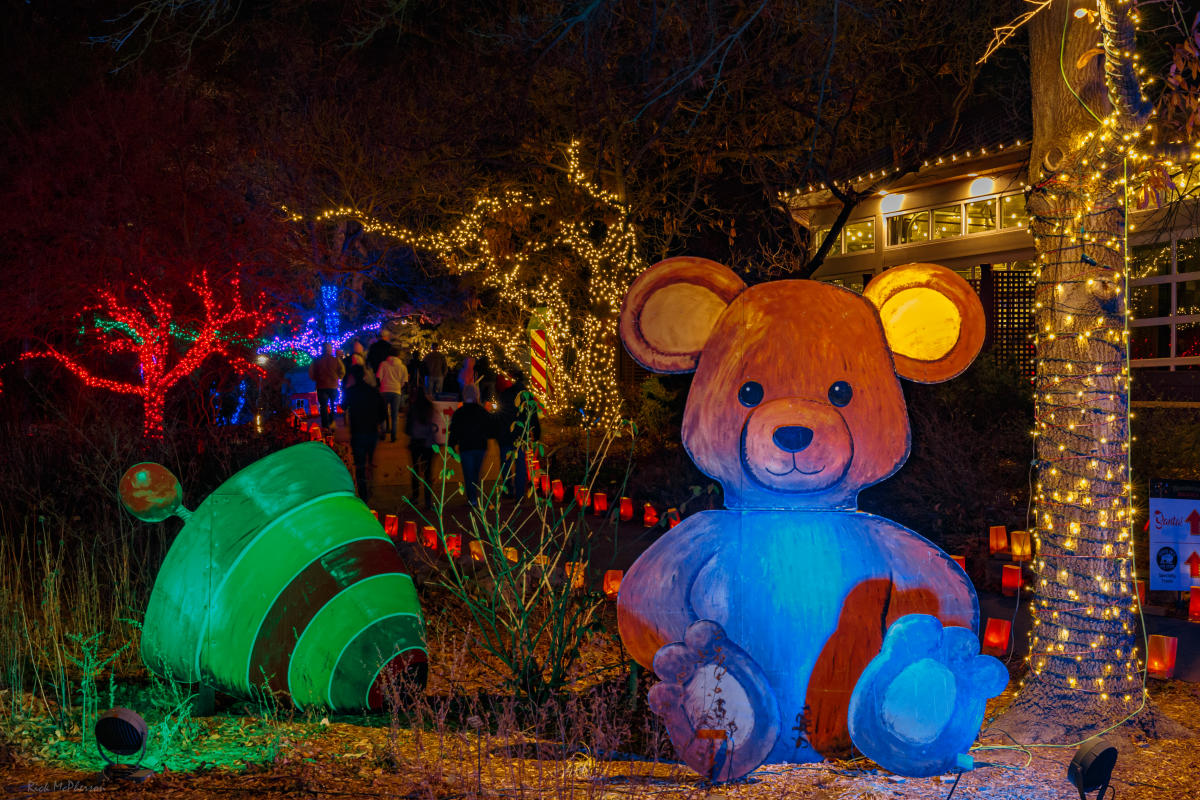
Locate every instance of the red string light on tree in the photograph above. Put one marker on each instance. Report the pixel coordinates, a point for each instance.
(145, 329)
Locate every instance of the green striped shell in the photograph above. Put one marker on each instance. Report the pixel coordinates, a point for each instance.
(283, 578)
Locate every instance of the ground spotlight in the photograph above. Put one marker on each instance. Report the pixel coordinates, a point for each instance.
(1092, 767)
(123, 733)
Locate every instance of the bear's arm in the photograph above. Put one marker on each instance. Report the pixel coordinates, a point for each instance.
(654, 606)
(925, 578)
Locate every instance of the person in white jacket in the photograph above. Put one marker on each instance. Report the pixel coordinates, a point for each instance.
(393, 375)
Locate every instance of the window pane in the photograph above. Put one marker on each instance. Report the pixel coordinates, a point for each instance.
(907, 228)
(819, 236)
(981, 216)
(1150, 342)
(1152, 301)
(947, 222)
(1187, 340)
(1012, 212)
(1187, 297)
(1150, 259)
(851, 282)
(859, 236)
(1187, 255)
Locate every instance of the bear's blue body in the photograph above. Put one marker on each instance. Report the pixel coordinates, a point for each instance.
(778, 582)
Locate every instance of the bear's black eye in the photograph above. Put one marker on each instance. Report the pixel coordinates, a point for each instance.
(840, 393)
(751, 394)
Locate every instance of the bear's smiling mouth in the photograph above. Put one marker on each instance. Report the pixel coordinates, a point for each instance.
(793, 469)
(791, 479)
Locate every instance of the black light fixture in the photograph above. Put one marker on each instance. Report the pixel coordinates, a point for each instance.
(123, 732)
(1092, 767)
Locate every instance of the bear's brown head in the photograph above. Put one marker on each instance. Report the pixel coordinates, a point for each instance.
(796, 401)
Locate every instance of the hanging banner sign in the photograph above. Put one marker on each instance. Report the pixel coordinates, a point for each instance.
(1174, 535)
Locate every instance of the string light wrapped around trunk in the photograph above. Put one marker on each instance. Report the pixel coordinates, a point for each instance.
(1084, 612)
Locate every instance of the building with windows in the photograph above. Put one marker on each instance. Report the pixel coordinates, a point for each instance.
(1164, 344)
(966, 211)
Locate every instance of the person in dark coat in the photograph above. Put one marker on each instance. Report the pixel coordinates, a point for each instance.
(379, 351)
(470, 428)
(415, 376)
(326, 372)
(485, 379)
(418, 426)
(362, 402)
(434, 367)
(518, 426)
(357, 355)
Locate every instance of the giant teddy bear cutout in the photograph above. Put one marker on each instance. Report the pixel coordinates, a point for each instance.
(791, 623)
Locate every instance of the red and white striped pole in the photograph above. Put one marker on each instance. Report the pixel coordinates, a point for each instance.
(539, 362)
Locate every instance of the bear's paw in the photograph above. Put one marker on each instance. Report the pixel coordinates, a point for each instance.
(718, 708)
(920, 702)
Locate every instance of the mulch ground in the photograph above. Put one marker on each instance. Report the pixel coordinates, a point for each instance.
(436, 758)
(450, 753)
(359, 763)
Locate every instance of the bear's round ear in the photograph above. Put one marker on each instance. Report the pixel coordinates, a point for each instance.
(670, 311)
(932, 319)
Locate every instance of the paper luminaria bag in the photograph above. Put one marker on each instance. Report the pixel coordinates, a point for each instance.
(281, 576)
(760, 619)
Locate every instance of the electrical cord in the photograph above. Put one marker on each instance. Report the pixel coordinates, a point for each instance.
(954, 786)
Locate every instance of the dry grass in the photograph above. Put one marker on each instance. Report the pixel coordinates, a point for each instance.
(466, 738)
(76, 566)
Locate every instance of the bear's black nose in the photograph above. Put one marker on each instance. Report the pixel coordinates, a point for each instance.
(792, 438)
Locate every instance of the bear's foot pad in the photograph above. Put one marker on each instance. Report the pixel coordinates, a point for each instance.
(918, 705)
(718, 708)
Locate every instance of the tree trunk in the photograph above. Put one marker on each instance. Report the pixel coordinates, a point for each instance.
(1084, 663)
(1083, 668)
(154, 402)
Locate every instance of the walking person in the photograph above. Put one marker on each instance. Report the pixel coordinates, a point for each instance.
(518, 427)
(362, 415)
(419, 428)
(393, 377)
(485, 379)
(470, 428)
(435, 369)
(326, 372)
(466, 376)
(415, 378)
(379, 351)
(359, 356)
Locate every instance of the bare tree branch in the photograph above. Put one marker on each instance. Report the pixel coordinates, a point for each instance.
(1006, 32)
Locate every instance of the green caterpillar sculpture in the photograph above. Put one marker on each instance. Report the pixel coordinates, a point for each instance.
(281, 579)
